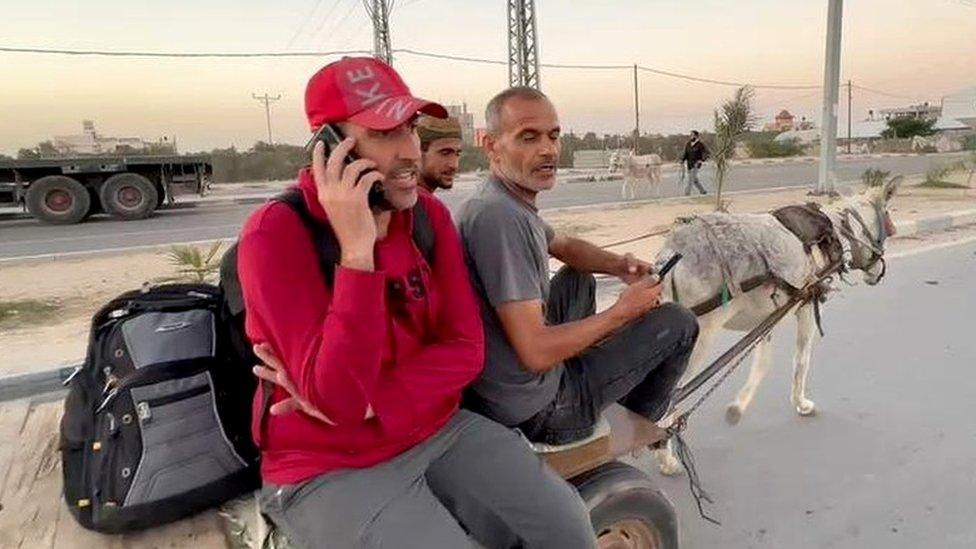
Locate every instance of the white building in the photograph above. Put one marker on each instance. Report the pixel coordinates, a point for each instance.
(961, 106)
(90, 142)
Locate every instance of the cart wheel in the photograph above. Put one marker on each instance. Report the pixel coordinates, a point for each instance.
(128, 196)
(626, 510)
(58, 199)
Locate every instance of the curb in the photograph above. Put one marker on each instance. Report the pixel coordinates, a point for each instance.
(34, 384)
(109, 252)
(936, 223)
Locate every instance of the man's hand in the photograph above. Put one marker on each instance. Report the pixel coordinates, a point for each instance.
(632, 269)
(638, 298)
(274, 371)
(342, 192)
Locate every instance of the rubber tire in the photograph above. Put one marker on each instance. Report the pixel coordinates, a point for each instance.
(147, 203)
(616, 492)
(38, 191)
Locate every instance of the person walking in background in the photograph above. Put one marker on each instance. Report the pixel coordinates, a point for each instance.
(694, 155)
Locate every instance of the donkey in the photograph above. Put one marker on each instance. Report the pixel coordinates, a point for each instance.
(634, 168)
(860, 224)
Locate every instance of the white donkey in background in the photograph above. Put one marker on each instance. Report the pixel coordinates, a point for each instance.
(861, 223)
(637, 168)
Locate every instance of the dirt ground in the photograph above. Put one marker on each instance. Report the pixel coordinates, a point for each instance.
(78, 286)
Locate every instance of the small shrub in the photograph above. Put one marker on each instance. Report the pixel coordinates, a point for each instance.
(874, 177)
(194, 265)
(26, 311)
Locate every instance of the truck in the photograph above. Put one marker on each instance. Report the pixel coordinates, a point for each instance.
(68, 190)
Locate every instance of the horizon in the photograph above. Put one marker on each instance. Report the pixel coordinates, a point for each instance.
(910, 51)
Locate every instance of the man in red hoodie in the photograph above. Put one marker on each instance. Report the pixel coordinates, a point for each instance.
(379, 454)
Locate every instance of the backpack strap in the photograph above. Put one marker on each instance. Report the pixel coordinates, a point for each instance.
(324, 239)
(423, 232)
(327, 246)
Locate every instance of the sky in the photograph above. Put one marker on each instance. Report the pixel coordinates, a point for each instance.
(913, 49)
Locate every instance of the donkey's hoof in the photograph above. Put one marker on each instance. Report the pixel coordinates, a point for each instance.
(733, 414)
(667, 463)
(670, 469)
(806, 408)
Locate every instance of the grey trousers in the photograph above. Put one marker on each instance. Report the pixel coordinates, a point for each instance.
(474, 482)
(693, 180)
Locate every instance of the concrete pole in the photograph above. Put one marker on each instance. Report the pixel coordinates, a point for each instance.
(850, 99)
(831, 90)
(267, 100)
(636, 111)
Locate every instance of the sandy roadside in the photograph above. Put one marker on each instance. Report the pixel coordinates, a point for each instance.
(80, 285)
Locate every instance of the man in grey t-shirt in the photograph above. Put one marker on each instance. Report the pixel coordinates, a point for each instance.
(552, 363)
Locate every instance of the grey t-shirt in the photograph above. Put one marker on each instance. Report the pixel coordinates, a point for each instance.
(506, 246)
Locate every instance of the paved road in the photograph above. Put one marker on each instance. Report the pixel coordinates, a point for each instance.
(26, 237)
(890, 461)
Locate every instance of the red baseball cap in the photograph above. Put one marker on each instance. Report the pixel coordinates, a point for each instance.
(363, 90)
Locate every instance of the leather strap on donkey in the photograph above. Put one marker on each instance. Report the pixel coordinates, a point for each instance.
(812, 226)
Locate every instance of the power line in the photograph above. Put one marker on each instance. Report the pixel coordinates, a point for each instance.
(418, 53)
(337, 24)
(725, 82)
(305, 21)
(180, 55)
(886, 94)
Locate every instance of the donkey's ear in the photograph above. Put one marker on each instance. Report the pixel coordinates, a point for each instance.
(889, 188)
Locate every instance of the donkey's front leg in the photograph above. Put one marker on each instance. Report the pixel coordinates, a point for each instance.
(709, 325)
(806, 326)
(761, 360)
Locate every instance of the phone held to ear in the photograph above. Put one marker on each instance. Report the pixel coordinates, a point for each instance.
(331, 135)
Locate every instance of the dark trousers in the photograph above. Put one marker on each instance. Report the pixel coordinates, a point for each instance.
(638, 366)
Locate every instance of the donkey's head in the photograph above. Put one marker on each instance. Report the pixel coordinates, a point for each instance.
(865, 223)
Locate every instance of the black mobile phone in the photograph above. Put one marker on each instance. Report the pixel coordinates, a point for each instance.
(669, 265)
(331, 135)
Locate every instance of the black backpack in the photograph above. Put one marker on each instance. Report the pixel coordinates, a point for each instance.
(156, 423)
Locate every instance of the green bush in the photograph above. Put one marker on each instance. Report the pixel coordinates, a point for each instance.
(766, 146)
(969, 143)
(906, 128)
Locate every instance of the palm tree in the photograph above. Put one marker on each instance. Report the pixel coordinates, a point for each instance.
(732, 120)
(194, 265)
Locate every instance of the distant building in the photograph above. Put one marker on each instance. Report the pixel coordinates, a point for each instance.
(923, 111)
(961, 106)
(591, 159)
(91, 142)
(783, 121)
(466, 119)
(479, 136)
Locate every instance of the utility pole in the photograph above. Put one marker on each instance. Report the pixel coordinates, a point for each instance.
(850, 96)
(828, 126)
(379, 12)
(636, 111)
(267, 100)
(523, 44)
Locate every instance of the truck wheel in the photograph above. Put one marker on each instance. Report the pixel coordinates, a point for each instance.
(58, 199)
(626, 510)
(128, 196)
